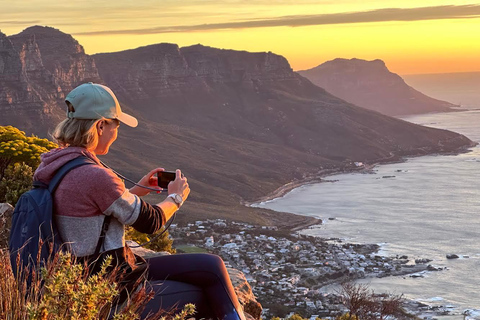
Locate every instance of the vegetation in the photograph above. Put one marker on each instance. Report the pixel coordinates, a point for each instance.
(161, 243)
(363, 304)
(64, 290)
(17, 180)
(19, 157)
(296, 316)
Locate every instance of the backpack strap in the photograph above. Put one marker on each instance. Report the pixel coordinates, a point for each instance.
(101, 240)
(66, 168)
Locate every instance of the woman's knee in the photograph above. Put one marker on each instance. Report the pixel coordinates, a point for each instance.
(211, 261)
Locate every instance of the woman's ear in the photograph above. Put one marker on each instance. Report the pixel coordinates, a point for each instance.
(100, 125)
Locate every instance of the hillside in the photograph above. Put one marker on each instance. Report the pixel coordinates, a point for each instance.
(239, 124)
(370, 85)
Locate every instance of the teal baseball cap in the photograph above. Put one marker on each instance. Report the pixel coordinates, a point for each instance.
(95, 101)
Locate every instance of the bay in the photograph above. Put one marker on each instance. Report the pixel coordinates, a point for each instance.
(425, 207)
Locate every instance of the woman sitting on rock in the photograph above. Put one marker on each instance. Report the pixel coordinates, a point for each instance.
(89, 194)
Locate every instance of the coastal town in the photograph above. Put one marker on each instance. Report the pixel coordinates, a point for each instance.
(287, 271)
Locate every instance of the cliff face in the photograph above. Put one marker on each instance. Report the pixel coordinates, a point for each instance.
(52, 57)
(238, 124)
(370, 85)
(40, 66)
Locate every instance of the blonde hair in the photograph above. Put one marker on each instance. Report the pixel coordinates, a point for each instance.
(77, 133)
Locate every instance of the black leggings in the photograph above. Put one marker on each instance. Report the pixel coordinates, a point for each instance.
(201, 279)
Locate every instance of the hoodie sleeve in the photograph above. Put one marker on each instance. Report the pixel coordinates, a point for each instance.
(114, 199)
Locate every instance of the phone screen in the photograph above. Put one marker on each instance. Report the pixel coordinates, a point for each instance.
(164, 178)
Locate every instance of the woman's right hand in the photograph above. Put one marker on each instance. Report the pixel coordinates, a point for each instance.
(179, 185)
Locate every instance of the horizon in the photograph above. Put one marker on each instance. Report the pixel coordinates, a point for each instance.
(411, 37)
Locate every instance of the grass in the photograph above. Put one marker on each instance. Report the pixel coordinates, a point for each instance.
(190, 249)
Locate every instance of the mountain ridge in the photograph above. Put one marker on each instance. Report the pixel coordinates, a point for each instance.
(239, 124)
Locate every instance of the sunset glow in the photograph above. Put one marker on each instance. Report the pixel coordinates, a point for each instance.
(410, 36)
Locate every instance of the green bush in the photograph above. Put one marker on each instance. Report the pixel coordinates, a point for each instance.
(17, 180)
(19, 157)
(162, 243)
(16, 147)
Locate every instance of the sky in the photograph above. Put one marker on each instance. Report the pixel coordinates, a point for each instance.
(411, 36)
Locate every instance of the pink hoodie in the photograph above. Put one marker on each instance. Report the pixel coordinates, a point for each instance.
(83, 198)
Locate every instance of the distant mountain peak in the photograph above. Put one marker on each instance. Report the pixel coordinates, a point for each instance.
(369, 84)
(43, 30)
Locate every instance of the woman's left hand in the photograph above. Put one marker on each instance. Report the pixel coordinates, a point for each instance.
(149, 180)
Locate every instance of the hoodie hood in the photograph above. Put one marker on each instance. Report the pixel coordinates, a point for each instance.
(56, 158)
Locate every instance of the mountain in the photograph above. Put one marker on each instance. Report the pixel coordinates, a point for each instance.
(239, 124)
(41, 65)
(370, 85)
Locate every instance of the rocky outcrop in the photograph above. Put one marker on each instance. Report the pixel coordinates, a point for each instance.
(38, 67)
(244, 293)
(17, 97)
(52, 57)
(370, 85)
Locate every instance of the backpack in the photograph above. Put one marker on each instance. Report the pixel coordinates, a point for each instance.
(34, 237)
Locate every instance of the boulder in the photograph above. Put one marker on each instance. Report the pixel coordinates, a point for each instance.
(6, 212)
(452, 256)
(244, 293)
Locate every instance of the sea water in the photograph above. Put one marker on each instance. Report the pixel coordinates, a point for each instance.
(425, 207)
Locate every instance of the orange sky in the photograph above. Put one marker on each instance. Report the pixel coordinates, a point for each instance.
(423, 36)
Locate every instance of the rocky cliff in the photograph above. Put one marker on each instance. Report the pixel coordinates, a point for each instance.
(370, 85)
(41, 65)
(239, 124)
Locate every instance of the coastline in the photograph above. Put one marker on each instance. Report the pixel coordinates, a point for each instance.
(415, 307)
(367, 168)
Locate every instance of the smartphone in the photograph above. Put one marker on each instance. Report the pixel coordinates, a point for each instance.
(164, 178)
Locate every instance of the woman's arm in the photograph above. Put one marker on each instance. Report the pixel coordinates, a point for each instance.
(152, 217)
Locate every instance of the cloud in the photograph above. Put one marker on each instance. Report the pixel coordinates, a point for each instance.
(19, 22)
(379, 15)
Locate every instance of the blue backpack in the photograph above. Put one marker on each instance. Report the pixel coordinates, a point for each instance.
(34, 237)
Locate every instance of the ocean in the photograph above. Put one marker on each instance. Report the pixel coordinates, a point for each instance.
(425, 207)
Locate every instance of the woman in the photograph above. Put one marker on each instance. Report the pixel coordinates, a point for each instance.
(89, 194)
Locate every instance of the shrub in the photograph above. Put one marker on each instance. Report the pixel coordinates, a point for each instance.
(16, 147)
(64, 290)
(162, 243)
(17, 180)
(362, 303)
(19, 157)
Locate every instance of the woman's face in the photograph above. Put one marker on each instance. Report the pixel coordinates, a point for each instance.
(107, 134)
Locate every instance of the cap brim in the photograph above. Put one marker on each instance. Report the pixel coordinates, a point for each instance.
(128, 120)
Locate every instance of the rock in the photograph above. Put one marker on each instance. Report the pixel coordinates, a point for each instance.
(244, 292)
(6, 212)
(417, 275)
(144, 252)
(433, 268)
(422, 261)
(452, 256)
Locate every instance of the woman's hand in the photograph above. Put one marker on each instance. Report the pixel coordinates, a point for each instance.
(149, 180)
(179, 185)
